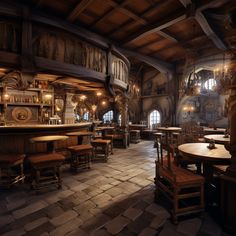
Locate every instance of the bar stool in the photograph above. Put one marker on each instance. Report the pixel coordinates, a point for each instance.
(46, 170)
(102, 147)
(134, 136)
(110, 137)
(11, 169)
(81, 156)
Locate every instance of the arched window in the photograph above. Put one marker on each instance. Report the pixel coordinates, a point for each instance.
(107, 117)
(86, 116)
(154, 118)
(119, 119)
(210, 84)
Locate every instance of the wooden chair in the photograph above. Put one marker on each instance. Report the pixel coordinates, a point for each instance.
(184, 189)
(11, 169)
(45, 170)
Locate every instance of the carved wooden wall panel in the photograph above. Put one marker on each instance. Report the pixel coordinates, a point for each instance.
(10, 37)
(63, 48)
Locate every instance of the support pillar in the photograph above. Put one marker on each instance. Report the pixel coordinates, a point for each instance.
(228, 183)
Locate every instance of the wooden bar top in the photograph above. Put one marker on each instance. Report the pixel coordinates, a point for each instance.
(41, 127)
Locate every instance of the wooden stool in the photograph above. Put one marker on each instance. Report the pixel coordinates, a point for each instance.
(101, 146)
(134, 136)
(110, 137)
(11, 169)
(46, 170)
(81, 156)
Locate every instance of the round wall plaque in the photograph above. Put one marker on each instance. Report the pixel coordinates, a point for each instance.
(21, 114)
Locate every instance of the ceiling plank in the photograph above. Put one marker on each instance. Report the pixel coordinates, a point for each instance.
(109, 13)
(156, 27)
(78, 9)
(132, 22)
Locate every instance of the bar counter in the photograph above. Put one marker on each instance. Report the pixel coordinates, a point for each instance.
(16, 139)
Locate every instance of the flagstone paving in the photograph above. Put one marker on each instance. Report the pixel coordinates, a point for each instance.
(113, 198)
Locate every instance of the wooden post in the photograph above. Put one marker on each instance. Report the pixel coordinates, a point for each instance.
(228, 183)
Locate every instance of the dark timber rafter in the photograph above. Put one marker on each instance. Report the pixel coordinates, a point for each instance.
(78, 9)
(15, 10)
(202, 21)
(156, 27)
(132, 22)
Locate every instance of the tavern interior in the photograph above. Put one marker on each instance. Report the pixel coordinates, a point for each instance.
(117, 117)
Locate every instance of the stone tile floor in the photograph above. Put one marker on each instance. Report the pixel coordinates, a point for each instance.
(113, 198)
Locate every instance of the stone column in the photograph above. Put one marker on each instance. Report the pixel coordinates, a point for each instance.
(69, 109)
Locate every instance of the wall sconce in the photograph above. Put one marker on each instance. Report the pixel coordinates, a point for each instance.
(104, 103)
(6, 95)
(188, 109)
(99, 94)
(82, 97)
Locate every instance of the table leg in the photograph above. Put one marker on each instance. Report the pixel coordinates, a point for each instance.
(79, 140)
(50, 146)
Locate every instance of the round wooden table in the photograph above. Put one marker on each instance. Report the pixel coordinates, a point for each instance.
(218, 138)
(208, 157)
(80, 135)
(104, 129)
(49, 139)
(214, 131)
(169, 131)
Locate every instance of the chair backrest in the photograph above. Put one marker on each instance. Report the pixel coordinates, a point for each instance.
(165, 164)
(191, 131)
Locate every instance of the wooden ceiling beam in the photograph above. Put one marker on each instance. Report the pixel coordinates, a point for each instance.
(149, 29)
(202, 21)
(132, 22)
(185, 3)
(208, 30)
(154, 62)
(165, 34)
(79, 8)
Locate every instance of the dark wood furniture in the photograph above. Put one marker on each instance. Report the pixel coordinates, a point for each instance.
(81, 156)
(16, 139)
(45, 170)
(11, 169)
(80, 136)
(49, 139)
(214, 130)
(134, 136)
(184, 189)
(218, 138)
(102, 149)
(208, 157)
